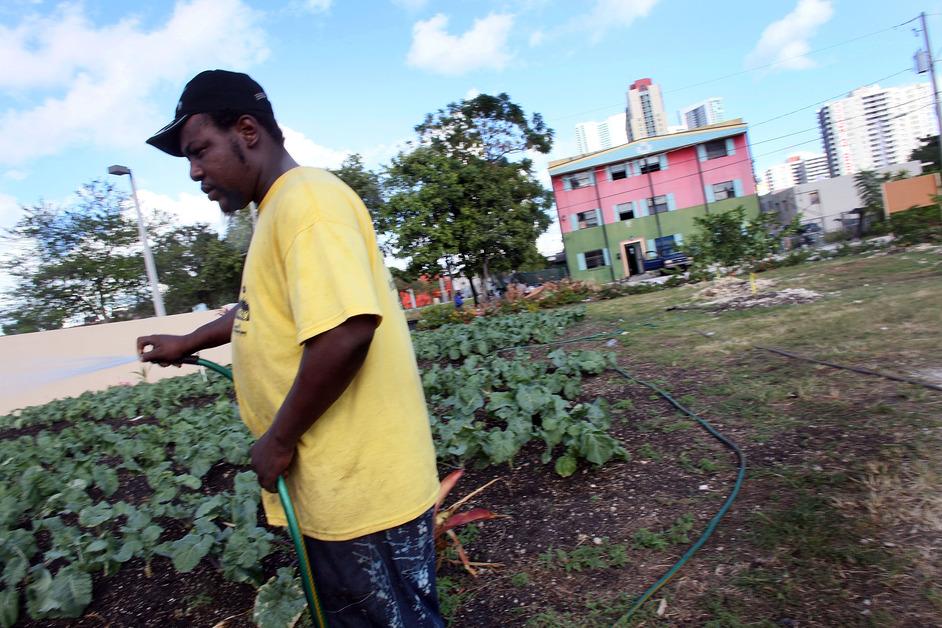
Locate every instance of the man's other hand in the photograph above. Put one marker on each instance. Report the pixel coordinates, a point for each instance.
(271, 458)
(164, 349)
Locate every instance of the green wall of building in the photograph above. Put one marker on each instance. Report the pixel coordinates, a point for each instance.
(678, 221)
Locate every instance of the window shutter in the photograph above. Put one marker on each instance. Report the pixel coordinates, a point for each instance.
(679, 239)
(652, 246)
(634, 207)
(581, 258)
(608, 260)
(710, 197)
(701, 152)
(600, 218)
(608, 172)
(566, 184)
(737, 187)
(592, 176)
(662, 160)
(671, 206)
(573, 222)
(643, 207)
(635, 168)
(730, 146)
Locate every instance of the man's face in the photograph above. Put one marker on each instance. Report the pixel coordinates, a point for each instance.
(218, 161)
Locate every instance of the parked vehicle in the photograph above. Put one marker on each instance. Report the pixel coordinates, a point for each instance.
(667, 263)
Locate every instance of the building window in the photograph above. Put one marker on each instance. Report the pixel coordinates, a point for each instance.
(813, 197)
(649, 164)
(658, 204)
(724, 190)
(715, 149)
(588, 219)
(625, 211)
(618, 172)
(578, 180)
(595, 259)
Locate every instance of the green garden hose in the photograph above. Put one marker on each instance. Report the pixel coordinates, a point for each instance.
(711, 526)
(307, 578)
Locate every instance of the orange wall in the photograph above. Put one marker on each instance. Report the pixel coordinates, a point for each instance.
(901, 195)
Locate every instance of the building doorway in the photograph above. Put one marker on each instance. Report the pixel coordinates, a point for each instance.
(632, 257)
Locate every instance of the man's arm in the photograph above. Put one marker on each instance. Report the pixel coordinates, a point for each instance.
(166, 349)
(329, 363)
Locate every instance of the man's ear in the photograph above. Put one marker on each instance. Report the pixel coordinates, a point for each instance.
(249, 129)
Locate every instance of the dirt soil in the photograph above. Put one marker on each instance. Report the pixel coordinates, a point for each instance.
(745, 574)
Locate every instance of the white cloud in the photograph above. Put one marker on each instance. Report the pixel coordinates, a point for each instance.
(606, 15)
(188, 208)
(93, 85)
(536, 38)
(411, 5)
(308, 153)
(484, 46)
(317, 6)
(472, 93)
(15, 175)
(785, 42)
(9, 211)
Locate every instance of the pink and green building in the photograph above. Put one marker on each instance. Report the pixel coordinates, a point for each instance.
(622, 204)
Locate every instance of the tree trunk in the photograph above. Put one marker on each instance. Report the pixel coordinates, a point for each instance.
(484, 277)
(474, 292)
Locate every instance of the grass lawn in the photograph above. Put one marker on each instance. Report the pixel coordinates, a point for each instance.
(839, 521)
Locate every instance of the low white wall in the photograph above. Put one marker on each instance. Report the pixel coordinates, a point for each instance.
(37, 368)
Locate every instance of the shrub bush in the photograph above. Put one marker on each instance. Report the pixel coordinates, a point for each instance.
(919, 224)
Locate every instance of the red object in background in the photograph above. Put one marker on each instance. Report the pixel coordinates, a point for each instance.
(425, 298)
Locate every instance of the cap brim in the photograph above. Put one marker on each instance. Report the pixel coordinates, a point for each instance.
(167, 139)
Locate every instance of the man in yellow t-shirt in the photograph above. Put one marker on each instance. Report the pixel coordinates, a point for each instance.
(323, 364)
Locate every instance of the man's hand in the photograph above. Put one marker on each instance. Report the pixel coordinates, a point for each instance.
(165, 349)
(271, 458)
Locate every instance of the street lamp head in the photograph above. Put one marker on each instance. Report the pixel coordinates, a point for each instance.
(119, 170)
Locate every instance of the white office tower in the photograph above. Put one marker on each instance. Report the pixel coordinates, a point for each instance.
(709, 111)
(645, 110)
(593, 136)
(803, 167)
(874, 127)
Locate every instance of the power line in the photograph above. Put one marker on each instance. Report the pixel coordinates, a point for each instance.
(660, 183)
(815, 128)
(746, 71)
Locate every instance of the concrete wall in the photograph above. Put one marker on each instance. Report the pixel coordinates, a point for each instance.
(37, 368)
(898, 196)
(827, 202)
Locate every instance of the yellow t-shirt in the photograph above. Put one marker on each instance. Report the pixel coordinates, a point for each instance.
(368, 463)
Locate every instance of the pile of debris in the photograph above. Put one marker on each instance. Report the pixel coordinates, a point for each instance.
(732, 293)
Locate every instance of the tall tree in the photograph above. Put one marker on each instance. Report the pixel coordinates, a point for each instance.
(198, 267)
(869, 185)
(80, 261)
(369, 187)
(928, 153)
(467, 196)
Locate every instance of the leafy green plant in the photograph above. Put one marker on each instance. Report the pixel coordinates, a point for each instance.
(646, 539)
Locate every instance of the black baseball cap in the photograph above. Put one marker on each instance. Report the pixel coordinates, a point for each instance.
(208, 92)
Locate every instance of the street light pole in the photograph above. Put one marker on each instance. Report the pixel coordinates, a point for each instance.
(935, 90)
(142, 232)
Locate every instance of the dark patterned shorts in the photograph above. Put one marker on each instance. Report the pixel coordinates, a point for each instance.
(382, 579)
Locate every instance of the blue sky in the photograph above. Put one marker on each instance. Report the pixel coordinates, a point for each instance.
(85, 83)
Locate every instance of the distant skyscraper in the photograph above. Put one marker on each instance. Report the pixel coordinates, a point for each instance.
(709, 111)
(798, 168)
(593, 136)
(874, 127)
(645, 115)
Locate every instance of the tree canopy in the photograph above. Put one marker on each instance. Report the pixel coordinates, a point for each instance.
(80, 260)
(458, 198)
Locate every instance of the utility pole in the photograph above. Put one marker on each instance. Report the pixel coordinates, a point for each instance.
(935, 89)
